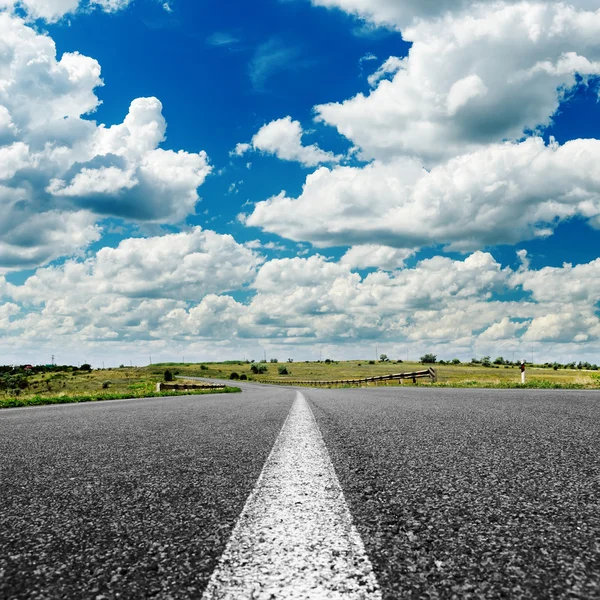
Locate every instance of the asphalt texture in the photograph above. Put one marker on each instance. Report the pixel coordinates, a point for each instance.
(128, 498)
(471, 493)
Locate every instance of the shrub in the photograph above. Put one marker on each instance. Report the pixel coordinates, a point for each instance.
(105, 385)
(485, 361)
(243, 377)
(283, 370)
(234, 375)
(273, 360)
(371, 362)
(428, 359)
(85, 367)
(203, 368)
(456, 361)
(168, 375)
(258, 369)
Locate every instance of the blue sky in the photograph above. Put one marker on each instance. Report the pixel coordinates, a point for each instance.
(216, 179)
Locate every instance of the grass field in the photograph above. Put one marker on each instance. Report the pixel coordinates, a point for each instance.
(463, 375)
(102, 384)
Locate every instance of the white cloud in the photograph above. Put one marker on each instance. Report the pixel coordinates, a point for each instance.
(56, 162)
(283, 138)
(373, 255)
(502, 194)
(504, 329)
(472, 79)
(240, 149)
(392, 65)
(30, 239)
(397, 14)
(53, 10)
(182, 266)
(163, 292)
(566, 285)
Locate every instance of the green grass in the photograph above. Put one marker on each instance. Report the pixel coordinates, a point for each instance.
(16, 402)
(81, 386)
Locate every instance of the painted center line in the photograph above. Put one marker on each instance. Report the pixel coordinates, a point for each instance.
(295, 537)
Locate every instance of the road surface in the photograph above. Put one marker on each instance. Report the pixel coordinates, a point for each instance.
(451, 493)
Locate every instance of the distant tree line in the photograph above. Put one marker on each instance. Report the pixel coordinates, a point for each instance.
(486, 361)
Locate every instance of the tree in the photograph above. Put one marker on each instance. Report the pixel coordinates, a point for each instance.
(384, 358)
(428, 359)
(290, 360)
(85, 367)
(456, 361)
(274, 360)
(485, 361)
(499, 360)
(168, 375)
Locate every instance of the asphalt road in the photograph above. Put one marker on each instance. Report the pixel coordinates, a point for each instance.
(456, 493)
(128, 498)
(471, 493)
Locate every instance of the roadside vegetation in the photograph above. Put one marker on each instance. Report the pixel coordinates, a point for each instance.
(28, 385)
(481, 372)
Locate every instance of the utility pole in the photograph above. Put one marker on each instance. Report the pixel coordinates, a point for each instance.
(150, 357)
(376, 356)
(52, 362)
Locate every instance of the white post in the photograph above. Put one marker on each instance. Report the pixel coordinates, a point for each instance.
(158, 387)
(523, 377)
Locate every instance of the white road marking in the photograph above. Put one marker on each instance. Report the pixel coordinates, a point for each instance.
(295, 538)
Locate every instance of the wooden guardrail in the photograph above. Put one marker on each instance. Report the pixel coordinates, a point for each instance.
(414, 375)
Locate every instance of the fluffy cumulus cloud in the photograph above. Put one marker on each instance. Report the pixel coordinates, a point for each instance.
(53, 10)
(502, 194)
(472, 79)
(283, 138)
(397, 14)
(373, 255)
(182, 266)
(61, 169)
(440, 304)
(148, 289)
